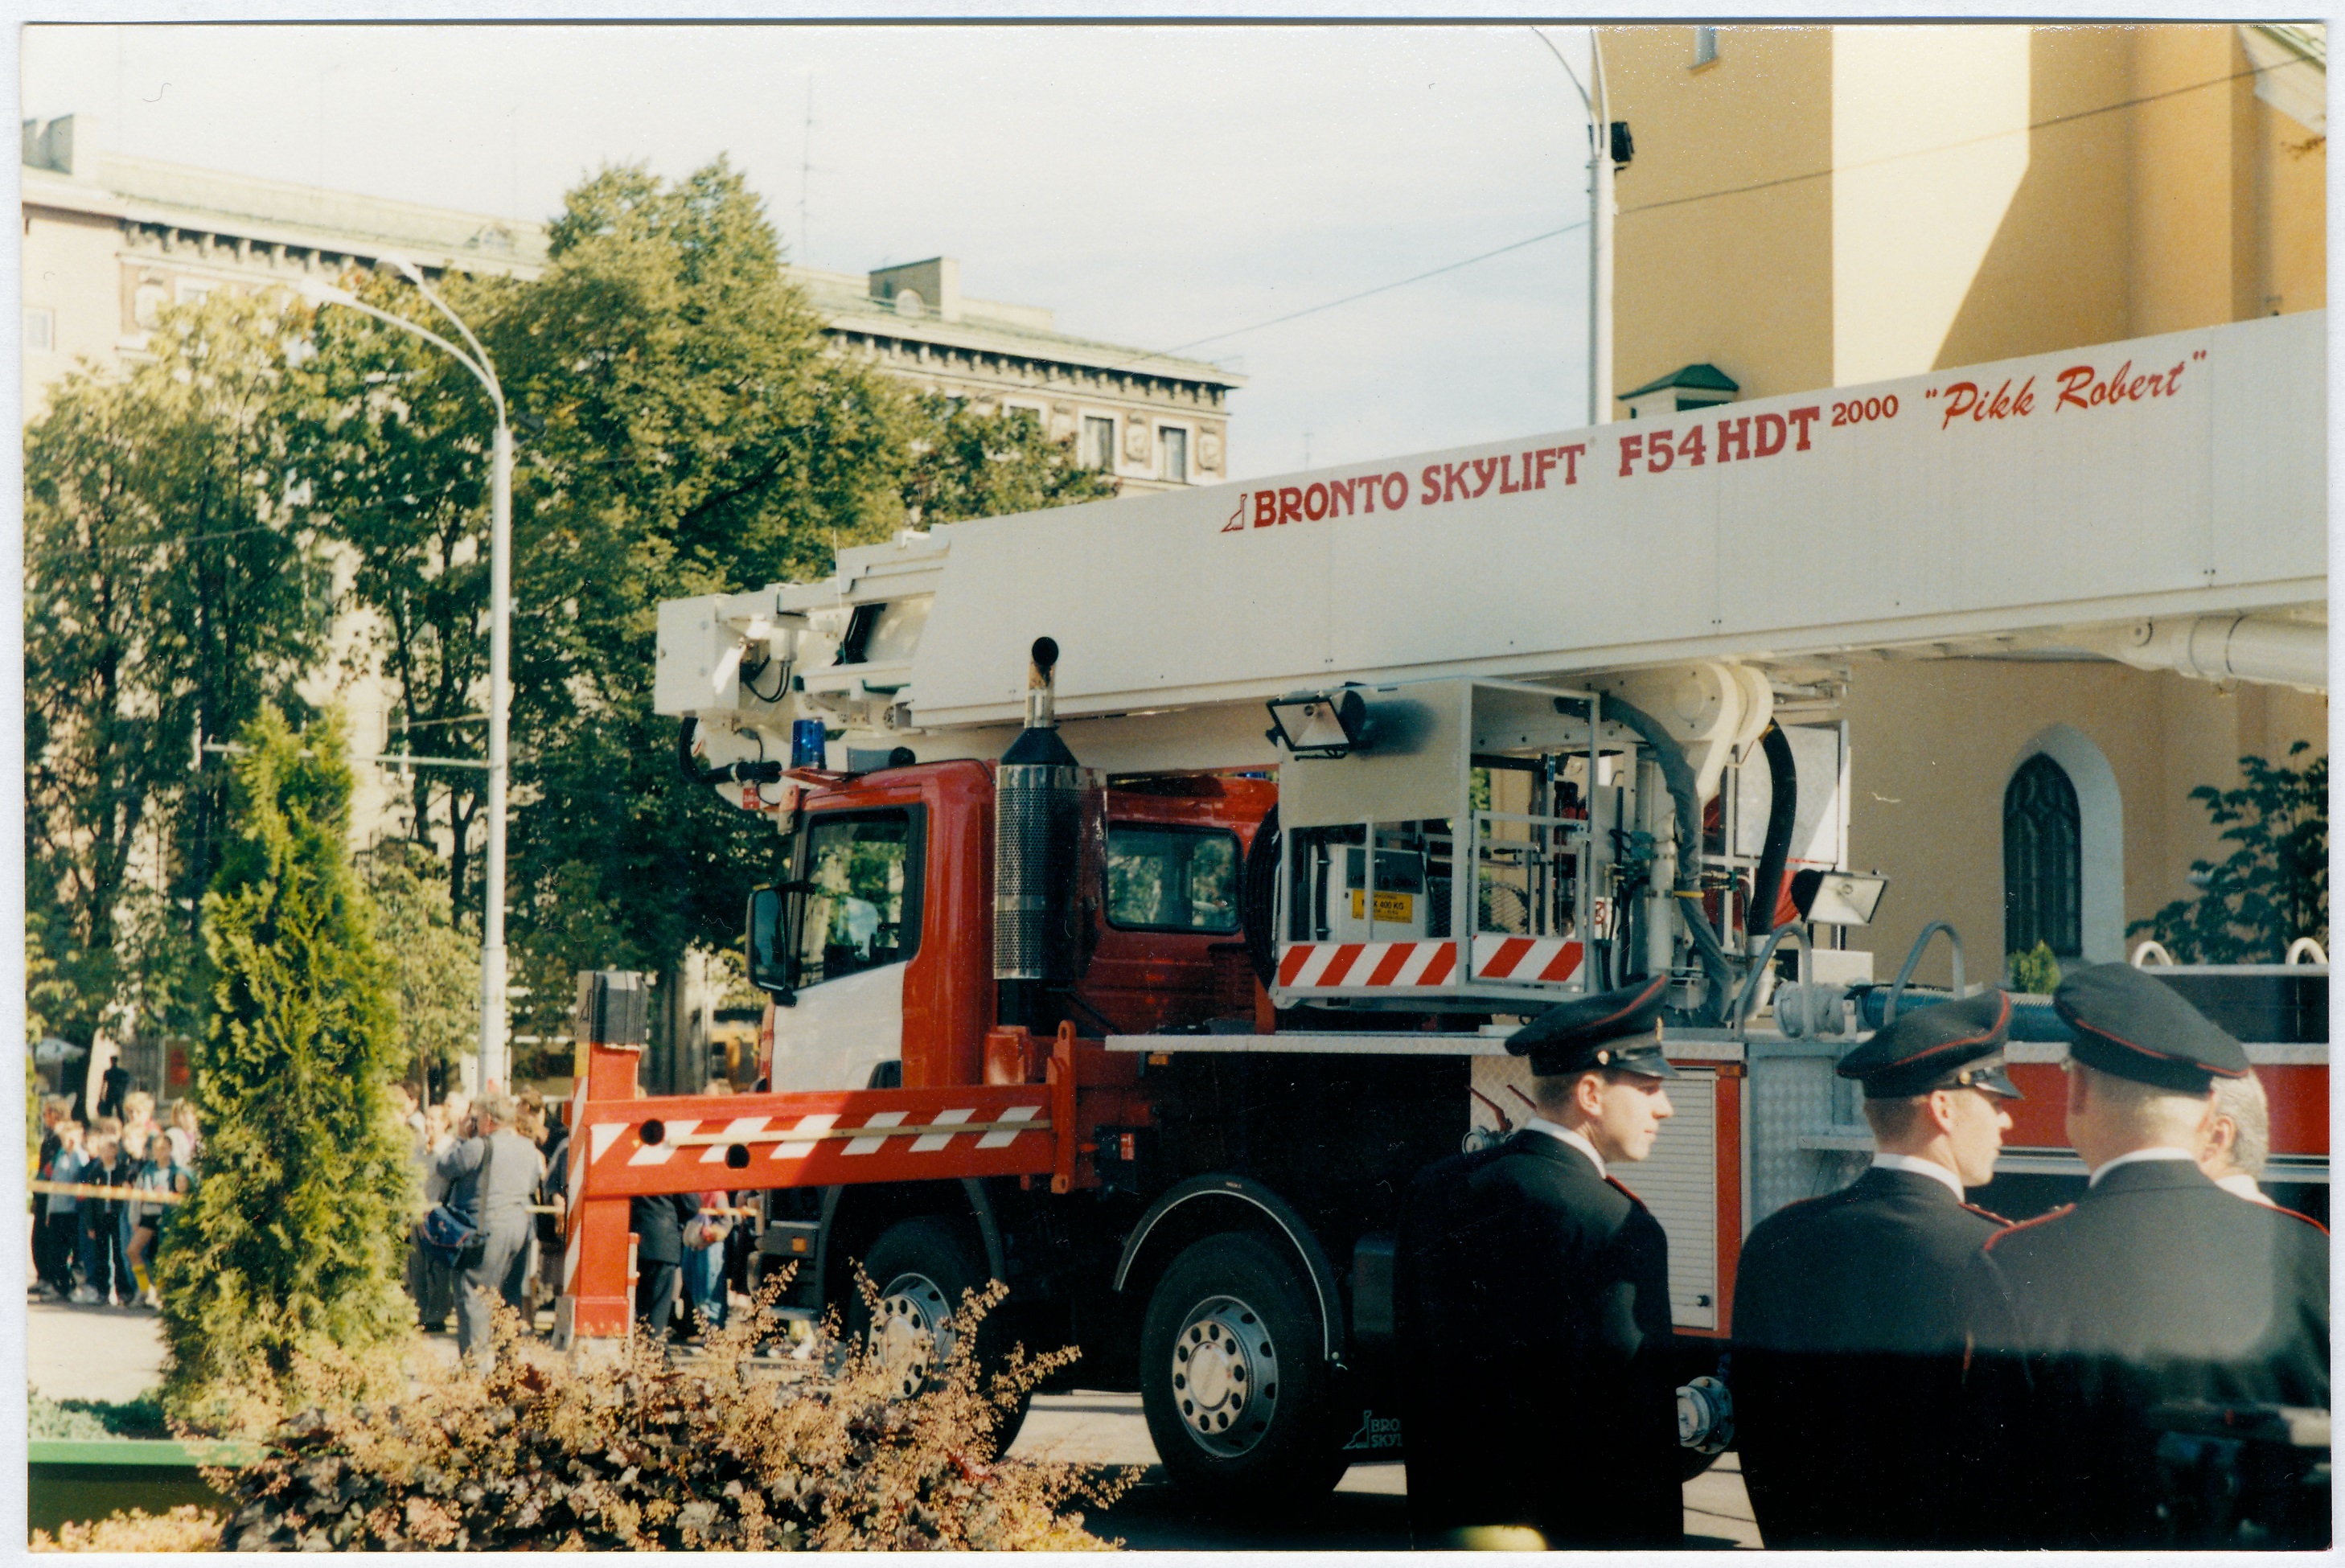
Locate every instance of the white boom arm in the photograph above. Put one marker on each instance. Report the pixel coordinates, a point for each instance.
(2161, 501)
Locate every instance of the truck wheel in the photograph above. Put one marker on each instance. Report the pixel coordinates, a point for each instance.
(922, 1267)
(1233, 1377)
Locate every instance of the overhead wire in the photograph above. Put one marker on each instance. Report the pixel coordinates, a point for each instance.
(1719, 194)
(1379, 288)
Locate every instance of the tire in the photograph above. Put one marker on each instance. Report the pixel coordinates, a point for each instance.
(1234, 1377)
(923, 1268)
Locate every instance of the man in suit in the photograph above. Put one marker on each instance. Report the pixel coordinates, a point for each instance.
(1848, 1330)
(1542, 1407)
(492, 1172)
(658, 1223)
(2155, 1286)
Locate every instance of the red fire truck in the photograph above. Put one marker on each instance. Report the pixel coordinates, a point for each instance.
(1146, 985)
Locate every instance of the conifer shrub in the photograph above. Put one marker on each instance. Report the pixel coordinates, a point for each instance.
(628, 1451)
(292, 1244)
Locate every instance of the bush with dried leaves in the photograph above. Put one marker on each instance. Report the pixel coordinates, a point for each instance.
(186, 1529)
(629, 1450)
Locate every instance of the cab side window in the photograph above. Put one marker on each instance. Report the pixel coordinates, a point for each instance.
(1172, 879)
(865, 909)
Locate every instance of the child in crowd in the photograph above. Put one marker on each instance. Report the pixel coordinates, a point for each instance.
(161, 1172)
(105, 1268)
(64, 1220)
(187, 1142)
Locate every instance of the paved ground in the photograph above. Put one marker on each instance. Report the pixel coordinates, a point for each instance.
(113, 1353)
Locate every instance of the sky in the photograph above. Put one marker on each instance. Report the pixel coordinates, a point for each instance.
(1154, 186)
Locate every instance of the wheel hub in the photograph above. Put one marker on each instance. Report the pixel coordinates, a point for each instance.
(1224, 1376)
(911, 1332)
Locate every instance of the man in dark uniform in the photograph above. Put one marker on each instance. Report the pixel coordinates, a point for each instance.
(1848, 1327)
(658, 1222)
(2156, 1285)
(1536, 1288)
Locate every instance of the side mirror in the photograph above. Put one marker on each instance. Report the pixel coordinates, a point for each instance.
(768, 944)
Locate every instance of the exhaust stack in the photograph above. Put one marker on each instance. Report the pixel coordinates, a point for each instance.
(1037, 825)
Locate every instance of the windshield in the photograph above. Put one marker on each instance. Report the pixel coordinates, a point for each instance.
(865, 907)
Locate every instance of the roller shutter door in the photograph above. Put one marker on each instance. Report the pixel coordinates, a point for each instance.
(1679, 1182)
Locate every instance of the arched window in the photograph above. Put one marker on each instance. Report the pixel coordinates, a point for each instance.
(2043, 862)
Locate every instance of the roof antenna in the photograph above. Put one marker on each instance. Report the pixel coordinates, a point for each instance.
(805, 177)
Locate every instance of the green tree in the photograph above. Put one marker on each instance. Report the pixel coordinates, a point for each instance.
(434, 961)
(964, 464)
(2035, 972)
(693, 433)
(685, 428)
(170, 590)
(292, 1239)
(2274, 886)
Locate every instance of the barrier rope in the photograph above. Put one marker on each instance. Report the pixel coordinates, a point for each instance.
(164, 1195)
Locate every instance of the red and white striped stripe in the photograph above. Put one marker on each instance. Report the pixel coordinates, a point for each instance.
(1323, 966)
(794, 1137)
(1519, 958)
(1400, 965)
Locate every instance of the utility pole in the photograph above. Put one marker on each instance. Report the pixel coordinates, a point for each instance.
(492, 1061)
(1600, 244)
(1599, 224)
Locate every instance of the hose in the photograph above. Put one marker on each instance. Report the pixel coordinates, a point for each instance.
(1782, 781)
(731, 773)
(1679, 775)
(1258, 899)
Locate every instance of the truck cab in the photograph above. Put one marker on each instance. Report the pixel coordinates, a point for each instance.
(888, 943)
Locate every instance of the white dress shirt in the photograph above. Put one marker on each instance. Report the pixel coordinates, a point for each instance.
(2139, 1155)
(1577, 1141)
(1929, 1168)
(2244, 1185)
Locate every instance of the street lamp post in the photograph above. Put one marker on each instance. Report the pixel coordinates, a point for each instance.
(492, 1064)
(1599, 225)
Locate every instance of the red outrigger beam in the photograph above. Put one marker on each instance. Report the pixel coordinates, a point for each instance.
(622, 1147)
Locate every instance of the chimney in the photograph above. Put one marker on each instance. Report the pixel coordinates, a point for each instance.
(936, 283)
(66, 146)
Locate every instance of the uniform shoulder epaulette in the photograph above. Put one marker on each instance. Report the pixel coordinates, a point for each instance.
(2308, 1218)
(1626, 1192)
(2008, 1231)
(1987, 1214)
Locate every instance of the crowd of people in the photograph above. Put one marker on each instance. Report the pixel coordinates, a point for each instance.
(690, 1252)
(499, 1160)
(498, 1165)
(92, 1248)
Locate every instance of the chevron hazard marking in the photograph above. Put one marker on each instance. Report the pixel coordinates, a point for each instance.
(603, 1134)
(871, 1145)
(934, 1141)
(813, 1127)
(1014, 1113)
(714, 1153)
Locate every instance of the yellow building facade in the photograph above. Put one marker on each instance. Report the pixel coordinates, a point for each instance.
(1819, 207)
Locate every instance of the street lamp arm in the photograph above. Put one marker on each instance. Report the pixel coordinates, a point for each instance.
(488, 375)
(480, 372)
(1568, 71)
